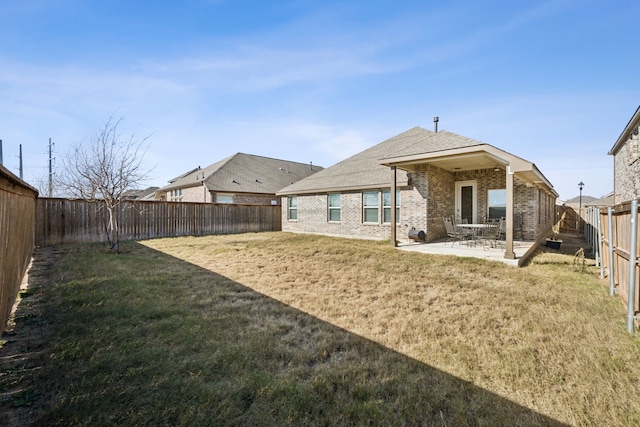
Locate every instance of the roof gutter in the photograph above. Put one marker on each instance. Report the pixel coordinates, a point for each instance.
(339, 189)
(624, 136)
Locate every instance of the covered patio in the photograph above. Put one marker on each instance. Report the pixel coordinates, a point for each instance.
(459, 178)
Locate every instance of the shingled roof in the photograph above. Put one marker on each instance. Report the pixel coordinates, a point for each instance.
(363, 170)
(245, 173)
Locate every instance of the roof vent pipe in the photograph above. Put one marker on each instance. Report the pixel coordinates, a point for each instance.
(435, 123)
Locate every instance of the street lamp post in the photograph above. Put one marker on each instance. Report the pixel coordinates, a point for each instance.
(580, 185)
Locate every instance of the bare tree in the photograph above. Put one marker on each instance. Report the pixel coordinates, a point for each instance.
(104, 169)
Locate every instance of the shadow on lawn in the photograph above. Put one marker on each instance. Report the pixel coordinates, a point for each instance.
(196, 348)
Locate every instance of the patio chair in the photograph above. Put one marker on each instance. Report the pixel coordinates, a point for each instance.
(465, 233)
(502, 232)
(490, 234)
(452, 232)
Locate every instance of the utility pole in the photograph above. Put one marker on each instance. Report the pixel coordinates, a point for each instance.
(0, 152)
(21, 161)
(50, 170)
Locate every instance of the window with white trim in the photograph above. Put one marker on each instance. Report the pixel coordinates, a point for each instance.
(226, 199)
(293, 208)
(497, 203)
(634, 145)
(370, 206)
(386, 206)
(335, 204)
(177, 195)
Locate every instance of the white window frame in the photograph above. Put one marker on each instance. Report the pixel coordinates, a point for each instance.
(366, 208)
(223, 196)
(334, 208)
(177, 195)
(458, 201)
(387, 208)
(291, 209)
(489, 201)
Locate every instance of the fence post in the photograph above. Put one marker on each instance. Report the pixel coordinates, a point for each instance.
(594, 236)
(586, 230)
(599, 243)
(632, 265)
(612, 284)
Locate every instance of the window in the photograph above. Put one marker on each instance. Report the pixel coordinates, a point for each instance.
(635, 145)
(497, 203)
(370, 205)
(334, 207)
(176, 195)
(293, 207)
(386, 205)
(224, 198)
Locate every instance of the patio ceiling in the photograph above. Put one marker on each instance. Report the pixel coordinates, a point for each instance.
(475, 157)
(461, 162)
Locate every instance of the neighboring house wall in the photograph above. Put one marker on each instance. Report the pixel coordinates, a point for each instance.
(430, 198)
(248, 199)
(200, 194)
(626, 171)
(626, 162)
(197, 194)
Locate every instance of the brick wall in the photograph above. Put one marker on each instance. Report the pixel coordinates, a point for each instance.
(255, 199)
(200, 194)
(197, 194)
(440, 185)
(313, 216)
(626, 174)
(430, 198)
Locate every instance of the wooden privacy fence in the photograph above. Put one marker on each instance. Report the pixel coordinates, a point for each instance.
(17, 228)
(613, 233)
(75, 221)
(568, 219)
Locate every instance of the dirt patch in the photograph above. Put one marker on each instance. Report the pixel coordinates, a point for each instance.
(571, 244)
(23, 345)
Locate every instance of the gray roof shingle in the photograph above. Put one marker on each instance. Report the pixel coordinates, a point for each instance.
(363, 170)
(246, 173)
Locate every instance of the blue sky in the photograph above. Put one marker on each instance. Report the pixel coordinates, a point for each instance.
(554, 82)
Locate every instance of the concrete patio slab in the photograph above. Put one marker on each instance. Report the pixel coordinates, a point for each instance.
(523, 250)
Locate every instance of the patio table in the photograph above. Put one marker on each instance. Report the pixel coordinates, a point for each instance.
(475, 227)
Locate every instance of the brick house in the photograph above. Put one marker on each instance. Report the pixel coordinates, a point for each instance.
(242, 179)
(433, 175)
(626, 163)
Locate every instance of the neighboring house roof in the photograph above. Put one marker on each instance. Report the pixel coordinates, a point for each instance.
(361, 170)
(370, 168)
(603, 201)
(585, 199)
(631, 127)
(184, 174)
(245, 173)
(139, 194)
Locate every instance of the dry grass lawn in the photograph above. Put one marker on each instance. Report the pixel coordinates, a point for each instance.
(545, 336)
(285, 329)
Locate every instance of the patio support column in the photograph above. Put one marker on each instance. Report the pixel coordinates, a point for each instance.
(509, 253)
(393, 206)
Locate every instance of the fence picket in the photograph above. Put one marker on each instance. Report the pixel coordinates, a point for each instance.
(616, 254)
(74, 221)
